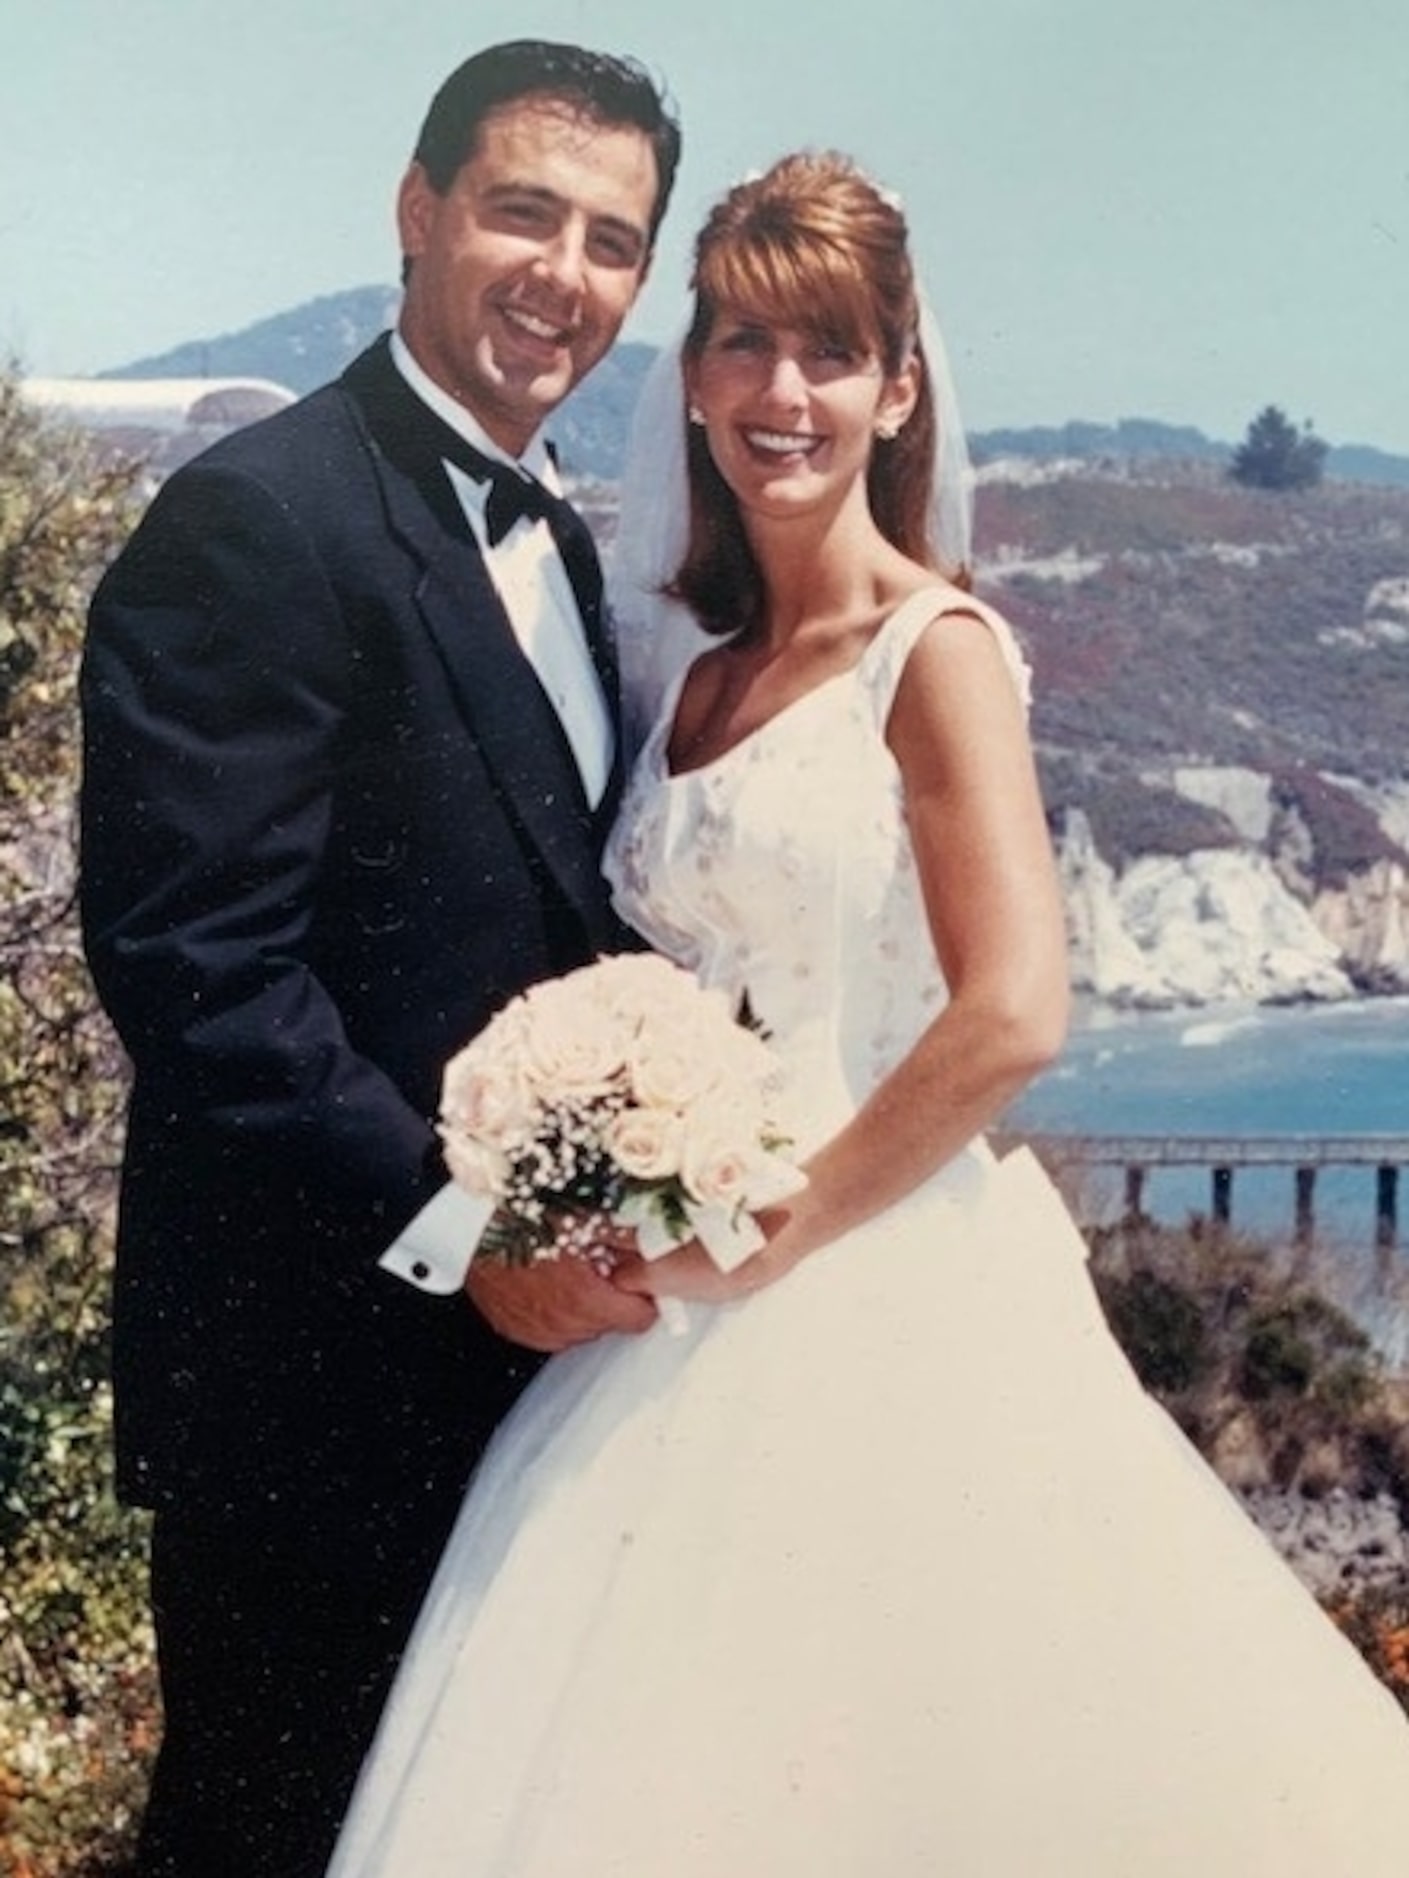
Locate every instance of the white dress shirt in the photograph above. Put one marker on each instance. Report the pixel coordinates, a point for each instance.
(435, 1249)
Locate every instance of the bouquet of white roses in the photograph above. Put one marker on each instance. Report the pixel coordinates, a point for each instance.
(622, 1091)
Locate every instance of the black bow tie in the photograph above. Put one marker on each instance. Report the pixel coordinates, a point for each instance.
(512, 496)
(513, 493)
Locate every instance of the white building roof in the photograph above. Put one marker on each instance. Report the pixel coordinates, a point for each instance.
(157, 404)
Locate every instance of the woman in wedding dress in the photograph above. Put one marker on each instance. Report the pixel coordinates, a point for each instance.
(884, 1565)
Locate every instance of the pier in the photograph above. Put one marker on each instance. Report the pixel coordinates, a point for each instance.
(1384, 1157)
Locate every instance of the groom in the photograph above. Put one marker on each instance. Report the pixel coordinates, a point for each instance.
(349, 754)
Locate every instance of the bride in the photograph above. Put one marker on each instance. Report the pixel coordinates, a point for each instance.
(885, 1564)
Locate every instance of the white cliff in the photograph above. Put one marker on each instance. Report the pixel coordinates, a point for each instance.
(1242, 923)
(1221, 925)
(1205, 928)
(1367, 920)
(1106, 962)
(1243, 796)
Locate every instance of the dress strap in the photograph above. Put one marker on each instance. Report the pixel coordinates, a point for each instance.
(884, 659)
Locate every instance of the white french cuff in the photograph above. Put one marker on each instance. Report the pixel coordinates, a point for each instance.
(433, 1251)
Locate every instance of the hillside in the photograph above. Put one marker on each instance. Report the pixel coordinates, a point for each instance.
(1175, 620)
(1142, 438)
(1172, 615)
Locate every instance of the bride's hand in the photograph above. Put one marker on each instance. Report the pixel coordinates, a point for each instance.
(690, 1273)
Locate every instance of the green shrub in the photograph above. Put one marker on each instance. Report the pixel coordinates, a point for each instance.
(1161, 1328)
(1302, 1346)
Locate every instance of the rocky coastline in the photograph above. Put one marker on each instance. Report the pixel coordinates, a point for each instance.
(1268, 916)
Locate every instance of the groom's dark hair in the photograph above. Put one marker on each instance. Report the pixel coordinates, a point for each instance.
(606, 90)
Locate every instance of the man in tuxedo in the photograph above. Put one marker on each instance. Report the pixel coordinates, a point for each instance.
(349, 754)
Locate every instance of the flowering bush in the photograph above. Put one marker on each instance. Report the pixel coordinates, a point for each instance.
(1377, 1623)
(78, 1703)
(78, 1699)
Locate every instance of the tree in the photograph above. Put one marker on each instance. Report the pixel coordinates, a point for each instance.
(76, 1683)
(1275, 455)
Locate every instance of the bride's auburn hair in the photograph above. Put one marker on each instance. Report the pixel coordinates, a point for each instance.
(813, 244)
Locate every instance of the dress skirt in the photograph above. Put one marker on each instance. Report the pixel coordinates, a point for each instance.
(891, 1570)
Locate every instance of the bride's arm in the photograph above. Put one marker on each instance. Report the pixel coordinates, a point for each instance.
(980, 840)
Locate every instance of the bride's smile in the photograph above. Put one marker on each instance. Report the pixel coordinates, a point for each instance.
(791, 411)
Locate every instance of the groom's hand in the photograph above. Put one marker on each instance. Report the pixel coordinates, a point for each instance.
(554, 1303)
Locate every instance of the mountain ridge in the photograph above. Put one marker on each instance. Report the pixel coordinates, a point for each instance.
(307, 345)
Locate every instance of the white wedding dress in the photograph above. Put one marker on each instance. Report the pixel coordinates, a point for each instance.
(891, 1570)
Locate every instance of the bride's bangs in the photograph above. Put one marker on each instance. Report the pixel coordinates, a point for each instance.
(807, 285)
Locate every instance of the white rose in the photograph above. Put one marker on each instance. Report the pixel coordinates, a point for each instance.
(645, 1143)
(725, 1163)
(485, 1093)
(475, 1166)
(657, 1000)
(672, 1068)
(748, 1058)
(630, 975)
(716, 1166)
(642, 985)
(572, 1045)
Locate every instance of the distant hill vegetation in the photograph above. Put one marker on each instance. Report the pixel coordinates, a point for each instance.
(1175, 619)
(310, 344)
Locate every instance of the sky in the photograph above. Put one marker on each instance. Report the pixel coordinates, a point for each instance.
(1121, 207)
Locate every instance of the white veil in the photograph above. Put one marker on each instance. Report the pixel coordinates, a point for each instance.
(657, 637)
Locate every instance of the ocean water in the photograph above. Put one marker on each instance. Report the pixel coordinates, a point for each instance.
(1249, 1070)
(1240, 1069)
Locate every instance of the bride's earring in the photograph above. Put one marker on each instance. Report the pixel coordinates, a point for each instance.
(695, 414)
(888, 429)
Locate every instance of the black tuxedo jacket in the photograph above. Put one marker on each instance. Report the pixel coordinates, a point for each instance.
(330, 823)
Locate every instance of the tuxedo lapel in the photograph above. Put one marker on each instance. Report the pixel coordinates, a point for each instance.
(509, 716)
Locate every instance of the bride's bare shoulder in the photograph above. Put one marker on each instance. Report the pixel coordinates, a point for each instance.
(913, 578)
